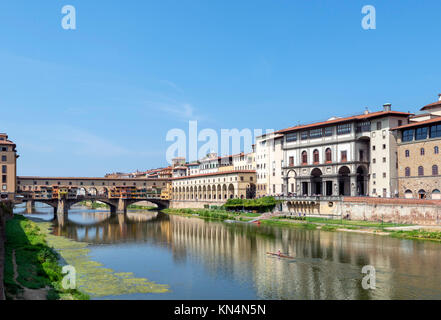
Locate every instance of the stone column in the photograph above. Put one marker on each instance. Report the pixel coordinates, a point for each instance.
(353, 185)
(30, 206)
(122, 206)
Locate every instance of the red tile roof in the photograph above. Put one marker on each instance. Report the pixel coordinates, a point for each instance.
(418, 123)
(432, 105)
(346, 119)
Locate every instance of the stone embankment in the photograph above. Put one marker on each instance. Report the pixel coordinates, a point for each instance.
(5, 213)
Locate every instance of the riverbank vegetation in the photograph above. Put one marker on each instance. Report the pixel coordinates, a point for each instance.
(32, 268)
(265, 204)
(216, 214)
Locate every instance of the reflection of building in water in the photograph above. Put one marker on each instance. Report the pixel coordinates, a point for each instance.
(327, 265)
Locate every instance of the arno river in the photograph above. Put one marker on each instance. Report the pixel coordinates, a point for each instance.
(201, 259)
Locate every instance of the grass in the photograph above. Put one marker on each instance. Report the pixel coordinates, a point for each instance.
(417, 235)
(217, 214)
(281, 223)
(37, 264)
(354, 223)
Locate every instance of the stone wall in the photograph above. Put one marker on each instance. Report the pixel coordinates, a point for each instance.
(5, 213)
(190, 204)
(394, 210)
(408, 211)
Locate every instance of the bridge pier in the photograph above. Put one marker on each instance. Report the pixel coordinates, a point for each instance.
(122, 206)
(30, 207)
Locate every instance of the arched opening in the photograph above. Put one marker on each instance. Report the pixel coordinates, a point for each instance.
(328, 155)
(436, 194)
(422, 194)
(316, 156)
(344, 184)
(230, 191)
(224, 191)
(219, 192)
(316, 181)
(408, 194)
(291, 182)
(361, 181)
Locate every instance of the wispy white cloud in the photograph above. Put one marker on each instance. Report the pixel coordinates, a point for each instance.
(172, 85)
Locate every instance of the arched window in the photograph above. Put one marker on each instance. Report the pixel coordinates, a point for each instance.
(304, 157)
(422, 194)
(316, 156)
(436, 194)
(420, 171)
(407, 172)
(328, 155)
(422, 151)
(434, 170)
(407, 153)
(436, 150)
(408, 194)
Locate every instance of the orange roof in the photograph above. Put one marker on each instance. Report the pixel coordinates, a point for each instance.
(87, 178)
(340, 120)
(419, 123)
(432, 105)
(214, 174)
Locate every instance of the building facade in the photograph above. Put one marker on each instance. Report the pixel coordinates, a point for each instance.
(349, 156)
(8, 154)
(215, 187)
(419, 160)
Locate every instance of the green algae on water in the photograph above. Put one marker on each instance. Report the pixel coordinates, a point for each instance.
(91, 276)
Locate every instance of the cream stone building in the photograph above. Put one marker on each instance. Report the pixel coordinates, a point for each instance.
(349, 156)
(269, 164)
(8, 160)
(215, 187)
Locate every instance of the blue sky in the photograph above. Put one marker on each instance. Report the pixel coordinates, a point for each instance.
(101, 98)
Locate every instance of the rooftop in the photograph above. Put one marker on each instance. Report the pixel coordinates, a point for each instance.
(419, 123)
(346, 119)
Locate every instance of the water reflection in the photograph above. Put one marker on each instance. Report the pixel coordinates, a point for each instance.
(327, 265)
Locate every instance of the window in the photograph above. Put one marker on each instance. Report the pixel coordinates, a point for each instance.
(435, 131)
(384, 159)
(422, 151)
(374, 160)
(291, 137)
(407, 153)
(328, 131)
(304, 135)
(4, 179)
(421, 133)
(408, 135)
(344, 128)
(291, 161)
(384, 174)
(434, 170)
(361, 155)
(373, 148)
(407, 172)
(316, 156)
(4, 158)
(4, 169)
(374, 175)
(436, 150)
(344, 156)
(328, 155)
(384, 146)
(379, 125)
(304, 157)
(363, 127)
(400, 123)
(420, 171)
(316, 133)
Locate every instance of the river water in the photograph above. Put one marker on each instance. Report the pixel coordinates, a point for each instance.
(202, 259)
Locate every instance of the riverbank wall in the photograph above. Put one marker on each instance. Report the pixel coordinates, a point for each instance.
(191, 204)
(393, 210)
(5, 214)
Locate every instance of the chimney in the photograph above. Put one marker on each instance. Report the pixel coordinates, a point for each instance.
(439, 97)
(366, 111)
(387, 107)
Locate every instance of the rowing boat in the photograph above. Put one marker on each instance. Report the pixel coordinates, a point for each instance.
(281, 255)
